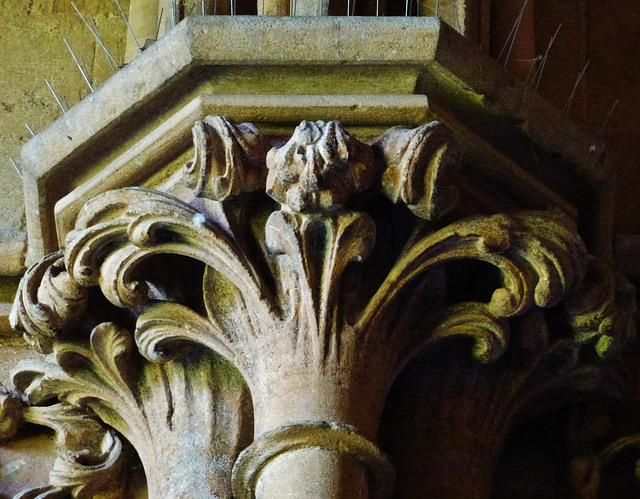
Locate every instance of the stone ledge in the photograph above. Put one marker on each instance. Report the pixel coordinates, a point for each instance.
(188, 62)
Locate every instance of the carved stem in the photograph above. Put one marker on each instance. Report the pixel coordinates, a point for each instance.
(312, 460)
(310, 441)
(298, 398)
(313, 473)
(191, 481)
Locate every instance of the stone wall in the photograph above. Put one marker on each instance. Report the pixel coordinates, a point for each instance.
(33, 49)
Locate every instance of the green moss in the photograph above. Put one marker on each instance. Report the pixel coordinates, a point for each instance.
(8, 288)
(603, 345)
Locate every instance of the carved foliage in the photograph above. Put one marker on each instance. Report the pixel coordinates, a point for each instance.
(601, 313)
(90, 457)
(152, 223)
(421, 165)
(278, 316)
(320, 166)
(229, 159)
(471, 407)
(47, 302)
(10, 416)
(314, 252)
(155, 406)
(539, 257)
(549, 363)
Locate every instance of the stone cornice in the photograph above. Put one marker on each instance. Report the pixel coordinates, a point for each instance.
(408, 55)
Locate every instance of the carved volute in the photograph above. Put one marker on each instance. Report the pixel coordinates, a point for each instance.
(265, 362)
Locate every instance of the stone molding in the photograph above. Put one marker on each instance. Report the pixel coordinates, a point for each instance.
(372, 59)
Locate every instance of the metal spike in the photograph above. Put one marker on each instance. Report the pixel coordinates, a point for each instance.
(516, 27)
(615, 104)
(84, 74)
(55, 96)
(124, 16)
(534, 66)
(581, 74)
(159, 23)
(15, 166)
(97, 36)
(546, 55)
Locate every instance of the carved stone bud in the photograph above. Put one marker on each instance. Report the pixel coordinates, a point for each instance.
(420, 165)
(229, 159)
(601, 310)
(320, 166)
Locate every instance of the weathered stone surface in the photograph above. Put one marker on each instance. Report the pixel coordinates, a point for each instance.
(32, 41)
(308, 372)
(13, 252)
(149, 156)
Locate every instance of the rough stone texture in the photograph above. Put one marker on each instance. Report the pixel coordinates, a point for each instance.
(31, 41)
(604, 34)
(13, 248)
